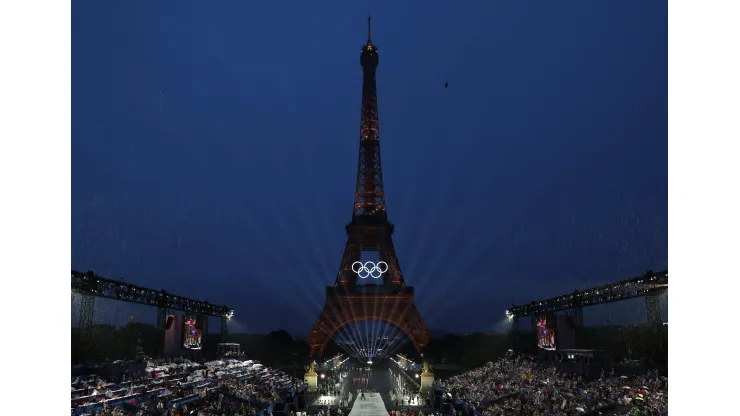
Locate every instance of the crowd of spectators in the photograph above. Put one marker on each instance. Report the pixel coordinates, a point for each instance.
(224, 387)
(514, 384)
(519, 384)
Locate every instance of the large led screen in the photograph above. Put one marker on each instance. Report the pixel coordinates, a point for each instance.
(173, 334)
(192, 333)
(545, 333)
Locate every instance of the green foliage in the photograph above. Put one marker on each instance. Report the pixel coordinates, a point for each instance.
(468, 351)
(279, 348)
(635, 342)
(108, 343)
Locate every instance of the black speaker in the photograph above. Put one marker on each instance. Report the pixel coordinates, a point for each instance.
(168, 323)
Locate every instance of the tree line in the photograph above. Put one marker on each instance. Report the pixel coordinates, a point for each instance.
(279, 348)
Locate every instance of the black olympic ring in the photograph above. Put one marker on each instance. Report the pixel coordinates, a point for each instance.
(369, 269)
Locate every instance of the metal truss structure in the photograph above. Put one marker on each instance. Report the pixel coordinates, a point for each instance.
(650, 285)
(652, 304)
(89, 286)
(577, 314)
(87, 308)
(370, 230)
(369, 195)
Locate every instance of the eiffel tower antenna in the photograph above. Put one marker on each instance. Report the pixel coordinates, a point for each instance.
(369, 37)
(369, 195)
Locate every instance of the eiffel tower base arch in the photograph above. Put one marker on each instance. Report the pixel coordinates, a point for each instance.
(346, 306)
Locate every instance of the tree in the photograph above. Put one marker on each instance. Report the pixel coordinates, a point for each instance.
(277, 348)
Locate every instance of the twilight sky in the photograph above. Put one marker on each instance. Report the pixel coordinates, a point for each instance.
(214, 150)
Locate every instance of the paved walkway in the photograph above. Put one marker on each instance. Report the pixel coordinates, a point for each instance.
(372, 406)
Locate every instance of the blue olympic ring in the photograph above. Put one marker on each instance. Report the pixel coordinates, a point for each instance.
(369, 269)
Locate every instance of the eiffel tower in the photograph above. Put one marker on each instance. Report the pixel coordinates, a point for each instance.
(346, 301)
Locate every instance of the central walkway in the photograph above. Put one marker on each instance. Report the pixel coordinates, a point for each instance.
(372, 406)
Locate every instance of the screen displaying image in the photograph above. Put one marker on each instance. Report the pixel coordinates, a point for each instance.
(173, 335)
(192, 333)
(545, 334)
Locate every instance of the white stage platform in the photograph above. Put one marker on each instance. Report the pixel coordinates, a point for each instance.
(371, 406)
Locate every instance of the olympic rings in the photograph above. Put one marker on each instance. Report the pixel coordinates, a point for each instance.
(369, 269)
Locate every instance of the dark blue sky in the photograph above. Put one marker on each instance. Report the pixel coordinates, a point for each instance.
(541, 169)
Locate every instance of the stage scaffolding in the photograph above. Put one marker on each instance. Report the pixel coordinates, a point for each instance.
(89, 286)
(650, 286)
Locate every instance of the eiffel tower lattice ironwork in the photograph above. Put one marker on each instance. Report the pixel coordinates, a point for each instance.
(346, 301)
